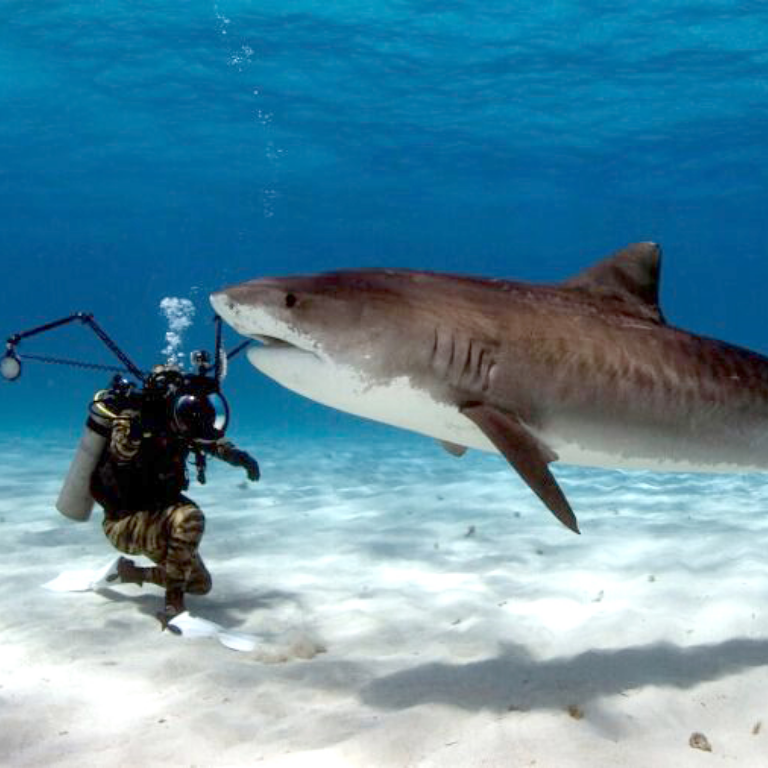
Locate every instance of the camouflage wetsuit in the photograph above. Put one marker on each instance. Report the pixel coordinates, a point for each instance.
(139, 481)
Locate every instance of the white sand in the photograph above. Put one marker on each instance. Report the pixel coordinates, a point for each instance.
(442, 648)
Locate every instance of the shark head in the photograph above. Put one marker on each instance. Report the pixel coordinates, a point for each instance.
(302, 314)
(350, 340)
(347, 318)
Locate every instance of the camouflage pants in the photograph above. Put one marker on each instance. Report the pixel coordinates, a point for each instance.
(170, 538)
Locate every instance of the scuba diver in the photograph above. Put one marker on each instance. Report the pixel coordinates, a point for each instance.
(141, 477)
(132, 460)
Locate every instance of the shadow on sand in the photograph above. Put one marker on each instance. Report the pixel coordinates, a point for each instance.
(515, 680)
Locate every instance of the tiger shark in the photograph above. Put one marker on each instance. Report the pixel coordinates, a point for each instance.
(586, 371)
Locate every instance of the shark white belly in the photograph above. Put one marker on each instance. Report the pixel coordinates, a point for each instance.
(398, 404)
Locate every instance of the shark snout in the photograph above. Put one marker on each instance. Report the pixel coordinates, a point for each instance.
(221, 302)
(234, 298)
(234, 304)
(254, 308)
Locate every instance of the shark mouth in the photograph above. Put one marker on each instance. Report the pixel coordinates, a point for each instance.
(256, 323)
(271, 346)
(273, 342)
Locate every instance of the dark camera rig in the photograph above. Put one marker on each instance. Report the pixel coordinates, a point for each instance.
(189, 391)
(10, 365)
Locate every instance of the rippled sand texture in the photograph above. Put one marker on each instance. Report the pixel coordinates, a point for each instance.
(413, 609)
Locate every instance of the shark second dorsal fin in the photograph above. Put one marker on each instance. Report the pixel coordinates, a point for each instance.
(631, 274)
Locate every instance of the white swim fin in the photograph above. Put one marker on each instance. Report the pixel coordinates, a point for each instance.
(193, 626)
(83, 580)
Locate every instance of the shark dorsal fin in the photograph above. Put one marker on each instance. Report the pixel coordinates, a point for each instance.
(631, 275)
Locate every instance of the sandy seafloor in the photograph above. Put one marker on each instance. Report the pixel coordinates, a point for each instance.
(413, 609)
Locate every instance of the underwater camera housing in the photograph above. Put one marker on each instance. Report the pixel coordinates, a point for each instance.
(189, 405)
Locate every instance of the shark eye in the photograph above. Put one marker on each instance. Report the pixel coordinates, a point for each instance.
(290, 300)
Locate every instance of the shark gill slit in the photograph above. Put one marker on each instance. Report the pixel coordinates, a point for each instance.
(449, 367)
(465, 377)
(481, 368)
(463, 363)
(438, 361)
(477, 365)
(489, 372)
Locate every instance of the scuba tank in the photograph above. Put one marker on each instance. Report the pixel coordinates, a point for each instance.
(75, 500)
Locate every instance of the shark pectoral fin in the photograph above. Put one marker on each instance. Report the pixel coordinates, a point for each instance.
(453, 448)
(527, 454)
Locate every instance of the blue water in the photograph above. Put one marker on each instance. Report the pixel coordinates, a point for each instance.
(152, 149)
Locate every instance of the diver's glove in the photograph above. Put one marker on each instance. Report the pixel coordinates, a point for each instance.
(237, 458)
(249, 464)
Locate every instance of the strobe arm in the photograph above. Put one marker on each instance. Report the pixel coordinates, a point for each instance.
(10, 366)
